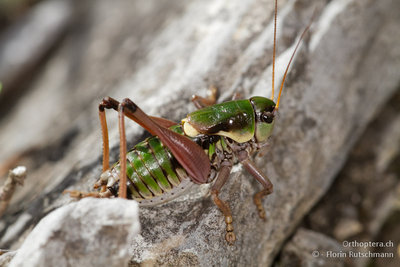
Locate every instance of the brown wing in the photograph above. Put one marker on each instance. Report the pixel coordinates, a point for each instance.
(163, 122)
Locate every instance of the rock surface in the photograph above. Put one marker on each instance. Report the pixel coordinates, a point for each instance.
(91, 232)
(363, 202)
(6, 258)
(159, 53)
(308, 248)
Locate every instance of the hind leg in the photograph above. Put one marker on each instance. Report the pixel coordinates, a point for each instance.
(79, 194)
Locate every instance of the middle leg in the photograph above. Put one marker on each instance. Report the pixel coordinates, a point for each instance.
(211, 99)
(223, 176)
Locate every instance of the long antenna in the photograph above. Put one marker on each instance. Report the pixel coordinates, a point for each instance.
(291, 58)
(274, 52)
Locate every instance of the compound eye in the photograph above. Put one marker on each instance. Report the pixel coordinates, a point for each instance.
(267, 117)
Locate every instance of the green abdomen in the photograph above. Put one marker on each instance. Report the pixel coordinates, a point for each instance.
(151, 170)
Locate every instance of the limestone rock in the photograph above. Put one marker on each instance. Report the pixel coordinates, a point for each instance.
(159, 53)
(308, 248)
(90, 232)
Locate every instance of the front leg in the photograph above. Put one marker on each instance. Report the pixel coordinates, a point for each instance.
(262, 178)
